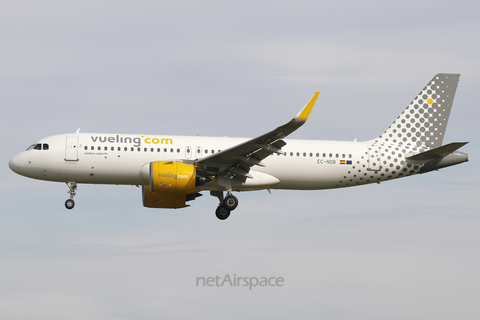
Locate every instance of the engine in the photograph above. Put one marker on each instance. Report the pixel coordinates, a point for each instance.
(171, 184)
(162, 200)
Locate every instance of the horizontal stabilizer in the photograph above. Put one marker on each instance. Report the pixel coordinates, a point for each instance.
(439, 152)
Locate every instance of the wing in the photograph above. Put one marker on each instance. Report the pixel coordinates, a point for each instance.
(235, 162)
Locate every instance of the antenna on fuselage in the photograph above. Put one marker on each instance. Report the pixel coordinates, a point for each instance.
(78, 130)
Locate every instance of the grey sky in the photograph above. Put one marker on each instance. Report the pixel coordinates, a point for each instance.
(405, 249)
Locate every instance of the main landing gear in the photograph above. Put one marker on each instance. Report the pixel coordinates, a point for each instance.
(226, 205)
(70, 203)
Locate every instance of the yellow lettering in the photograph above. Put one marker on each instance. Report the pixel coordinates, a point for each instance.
(167, 141)
(155, 140)
(146, 140)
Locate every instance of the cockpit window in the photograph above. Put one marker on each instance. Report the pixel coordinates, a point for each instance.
(38, 146)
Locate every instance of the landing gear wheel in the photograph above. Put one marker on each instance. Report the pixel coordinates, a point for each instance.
(222, 213)
(69, 204)
(72, 190)
(230, 202)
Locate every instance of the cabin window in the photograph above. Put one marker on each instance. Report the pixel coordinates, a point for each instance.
(171, 150)
(112, 148)
(93, 148)
(158, 149)
(86, 148)
(178, 150)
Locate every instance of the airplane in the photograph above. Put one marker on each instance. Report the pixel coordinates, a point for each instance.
(173, 170)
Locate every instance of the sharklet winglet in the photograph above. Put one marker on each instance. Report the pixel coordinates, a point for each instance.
(305, 112)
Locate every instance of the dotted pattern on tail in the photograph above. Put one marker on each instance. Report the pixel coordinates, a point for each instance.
(389, 163)
(424, 121)
(420, 127)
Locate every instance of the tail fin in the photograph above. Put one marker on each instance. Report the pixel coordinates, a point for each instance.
(424, 121)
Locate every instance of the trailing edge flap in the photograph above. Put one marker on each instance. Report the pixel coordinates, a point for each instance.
(439, 152)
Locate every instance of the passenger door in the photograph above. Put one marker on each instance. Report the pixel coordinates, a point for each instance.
(198, 152)
(71, 149)
(188, 152)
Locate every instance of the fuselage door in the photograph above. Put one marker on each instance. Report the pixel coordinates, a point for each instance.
(198, 152)
(373, 158)
(71, 149)
(188, 152)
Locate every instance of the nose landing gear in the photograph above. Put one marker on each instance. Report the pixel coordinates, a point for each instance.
(70, 203)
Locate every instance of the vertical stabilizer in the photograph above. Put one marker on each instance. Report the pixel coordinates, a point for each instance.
(424, 121)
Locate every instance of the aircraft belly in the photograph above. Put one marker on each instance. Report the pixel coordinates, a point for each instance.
(306, 175)
(259, 181)
(92, 172)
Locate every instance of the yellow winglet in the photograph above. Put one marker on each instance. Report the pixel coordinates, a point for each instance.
(305, 112)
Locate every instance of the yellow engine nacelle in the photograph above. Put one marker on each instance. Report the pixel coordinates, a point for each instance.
(172, 177)
(162, 200)
(171, 184)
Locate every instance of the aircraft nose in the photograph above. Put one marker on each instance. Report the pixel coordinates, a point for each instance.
(15, 163)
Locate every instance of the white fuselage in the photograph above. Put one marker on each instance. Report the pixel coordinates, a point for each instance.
(118, 159)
